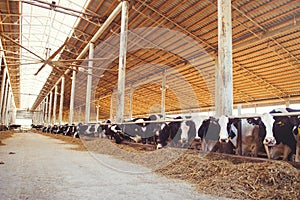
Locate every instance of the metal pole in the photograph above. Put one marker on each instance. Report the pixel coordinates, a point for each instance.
(43, 112)
(97, 113)
(50, 108)
(46, 110)
(54, 104)
(130, 101)
(61, 102)
(2, 91)
(89, 85)
(122, 62)
(71, 113)
(111, 107)
(5, 100)
(8, 107)
(163, 95)
(223, 86)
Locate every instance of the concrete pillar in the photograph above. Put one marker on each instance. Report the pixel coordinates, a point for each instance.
(122, 62)
(8, 106)
(71, 113)
(43, 112)
(89, 85)
(239, 108)
(46, 110)
(224, 86)
(97, 113)
(50, 107)
(130, 101)
(54, 104)
(111, 107)
(61, 102)
(3, 83)
(5, 101)
(163, 95)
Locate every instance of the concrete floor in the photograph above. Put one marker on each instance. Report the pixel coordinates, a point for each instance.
(39, 167)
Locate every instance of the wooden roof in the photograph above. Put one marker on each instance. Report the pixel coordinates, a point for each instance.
(179, 38)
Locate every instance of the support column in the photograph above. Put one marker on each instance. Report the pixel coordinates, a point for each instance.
(8, 106)
(50, 108)
(163, 95)
(122, 62)
(79, 114)
(71, 113)
(130, 101)
(61, 102)
(111, 107)
(89, 84)
(39, 114)
(54, 104)
(97, 113)
(224, 86)
(2, 91)
(4, 102)
(46, 110)
(43, 112)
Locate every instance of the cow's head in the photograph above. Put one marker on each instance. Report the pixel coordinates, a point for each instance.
(268, 121)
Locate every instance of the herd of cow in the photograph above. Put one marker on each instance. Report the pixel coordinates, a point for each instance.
(273, 135)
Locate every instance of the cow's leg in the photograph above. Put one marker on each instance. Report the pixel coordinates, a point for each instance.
(297, 158)
(203, 144)
(267, 151)
(286, 151)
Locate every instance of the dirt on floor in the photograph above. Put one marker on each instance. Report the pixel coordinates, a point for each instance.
(4, 135)
(213, 174)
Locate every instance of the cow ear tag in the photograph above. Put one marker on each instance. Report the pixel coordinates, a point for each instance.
(299, 131)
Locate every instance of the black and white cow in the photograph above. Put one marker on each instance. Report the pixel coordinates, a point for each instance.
(3, 127)
(284, 129)
(88, 129)
(216, 135)
(144, 128)
(272, 135)
(139, 129)
(178, 133)
(37, 127)
(14, 126)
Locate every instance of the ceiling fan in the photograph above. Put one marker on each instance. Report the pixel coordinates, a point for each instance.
(45, 62)
(49, 60)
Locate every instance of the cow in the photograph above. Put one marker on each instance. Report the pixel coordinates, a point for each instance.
(252, 136)
(296, 132)
(70, 130)
(178, 133)
(284, 130)
(37, 127)
(138, 129)
(3, 127)
(14, 126)
(54, 129)
(274, 133)
(216, 135)
(145, 128)
(89, 129)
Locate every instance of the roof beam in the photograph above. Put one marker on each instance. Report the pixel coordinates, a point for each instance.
(268, 35)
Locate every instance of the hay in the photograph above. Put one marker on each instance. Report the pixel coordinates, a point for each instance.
(4, 135)
(212, 174)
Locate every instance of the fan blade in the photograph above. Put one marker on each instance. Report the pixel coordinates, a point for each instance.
(48, 61)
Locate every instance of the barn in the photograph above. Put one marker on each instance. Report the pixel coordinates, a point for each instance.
(67, 62)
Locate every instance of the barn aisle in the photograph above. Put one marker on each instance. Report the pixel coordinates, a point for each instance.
(39, 167)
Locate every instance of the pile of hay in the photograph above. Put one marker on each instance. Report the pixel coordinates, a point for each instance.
(4, 135)
(264, 180)
(211, 173)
